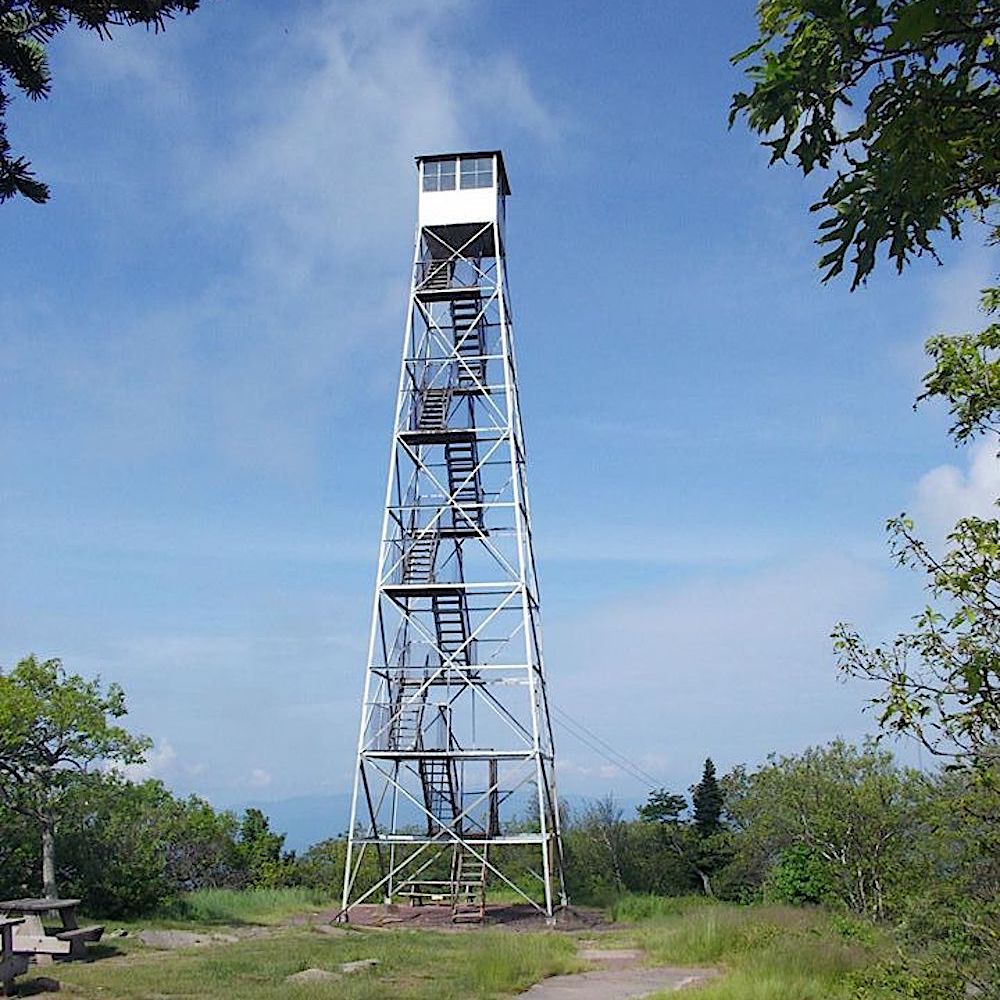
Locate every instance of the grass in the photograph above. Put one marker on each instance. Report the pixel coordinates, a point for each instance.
(637, 907)
(253, 906)
(413, 965)
(766, 952)
(211, 909)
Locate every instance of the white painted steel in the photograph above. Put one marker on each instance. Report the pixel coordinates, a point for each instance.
(446, 208)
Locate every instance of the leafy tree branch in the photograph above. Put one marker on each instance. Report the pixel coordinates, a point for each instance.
(899, 99)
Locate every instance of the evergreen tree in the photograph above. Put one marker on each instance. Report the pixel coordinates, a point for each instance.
(26, 29)
(707, 799)
(662, 807)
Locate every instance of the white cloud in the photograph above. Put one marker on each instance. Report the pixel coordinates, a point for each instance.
(260, 778)
(569, 767)
(949, 492)
(324, 161)
(128, 60)
(953, 304)
(296, 186)
(251, 696)
(160, 762)
(219, 538)
(955, 292)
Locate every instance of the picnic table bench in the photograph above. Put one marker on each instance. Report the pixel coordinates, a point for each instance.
(11, 964)
(31, 937)
(426, 891)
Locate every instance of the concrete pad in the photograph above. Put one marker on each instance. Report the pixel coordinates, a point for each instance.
(169, 940)
(616, 984)
(612, 958)
(361, 965)
(312, 976)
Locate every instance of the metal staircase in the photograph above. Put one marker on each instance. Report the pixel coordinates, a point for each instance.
(464, 487)
(419, 558)
(469, 343)
(406, 724)
(451, 623)
(468, 880)
(440, 785)
(433, 414)
(437, 275)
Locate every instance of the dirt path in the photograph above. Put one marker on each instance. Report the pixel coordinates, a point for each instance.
(621, 978)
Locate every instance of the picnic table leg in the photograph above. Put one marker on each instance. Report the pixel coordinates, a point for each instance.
(32, 927)
(6, 952)
(77, 947)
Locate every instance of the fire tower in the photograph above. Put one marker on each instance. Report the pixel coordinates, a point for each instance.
(454, 786)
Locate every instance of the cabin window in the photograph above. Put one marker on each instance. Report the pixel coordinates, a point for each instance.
(477, 172)
(439, 175)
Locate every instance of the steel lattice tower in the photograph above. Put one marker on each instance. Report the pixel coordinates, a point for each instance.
(455, 781)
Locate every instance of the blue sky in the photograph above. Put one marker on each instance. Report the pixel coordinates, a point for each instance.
(199, 341)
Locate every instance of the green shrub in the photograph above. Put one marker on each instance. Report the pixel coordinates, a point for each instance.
(127, 849)
(800, 876)
(853, 928)
(902, 980)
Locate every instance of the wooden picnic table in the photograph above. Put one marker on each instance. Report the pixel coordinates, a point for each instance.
(31, 938)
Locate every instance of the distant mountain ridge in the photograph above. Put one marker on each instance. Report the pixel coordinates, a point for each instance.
(307, 819)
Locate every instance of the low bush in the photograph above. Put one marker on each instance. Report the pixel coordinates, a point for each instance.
(800, 876)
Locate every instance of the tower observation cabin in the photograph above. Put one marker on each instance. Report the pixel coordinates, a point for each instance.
(454, 788)
(457, 191)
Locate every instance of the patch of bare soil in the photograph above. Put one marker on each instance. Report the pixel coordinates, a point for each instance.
(510, 916)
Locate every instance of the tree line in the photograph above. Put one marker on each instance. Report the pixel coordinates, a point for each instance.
(838, 825)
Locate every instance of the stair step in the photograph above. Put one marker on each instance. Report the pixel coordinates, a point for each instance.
(408, 709)
(434, 404)
(436, 276)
